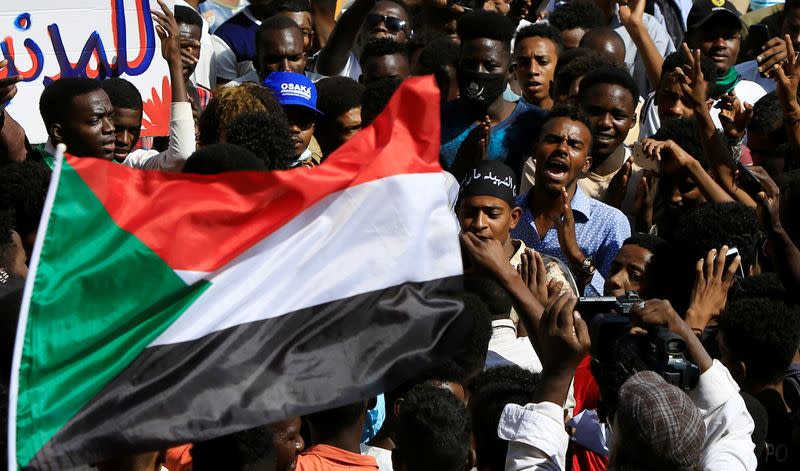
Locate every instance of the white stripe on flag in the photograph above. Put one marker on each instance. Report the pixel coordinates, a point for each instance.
(365, 238)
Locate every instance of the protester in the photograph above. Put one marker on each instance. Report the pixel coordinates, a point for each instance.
(382, 58)
(574, 19)
(297, 96)
(440, 58)
(339, 99)
(536, 50)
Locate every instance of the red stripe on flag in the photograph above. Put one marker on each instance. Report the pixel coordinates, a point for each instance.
(199, 222)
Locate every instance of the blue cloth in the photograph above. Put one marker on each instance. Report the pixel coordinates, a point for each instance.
(374, 420)
(600, 230)
(239, 33)
(511, 141)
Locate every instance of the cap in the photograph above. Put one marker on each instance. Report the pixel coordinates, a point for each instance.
(660, 421)
(291, 88)
(490, 178)
(703, 10)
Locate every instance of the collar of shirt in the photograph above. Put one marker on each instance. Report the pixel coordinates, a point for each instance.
(504, 330)
(342, 457)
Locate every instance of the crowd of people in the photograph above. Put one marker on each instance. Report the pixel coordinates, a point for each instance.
(625, 173)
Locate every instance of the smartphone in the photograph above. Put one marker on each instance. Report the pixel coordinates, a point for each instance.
(640, 159)
(732, 253)
(746, 180)
(757, 36)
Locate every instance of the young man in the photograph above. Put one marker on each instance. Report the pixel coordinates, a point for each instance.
(641, 265)
(339, 100)
(574, 19)
(383, 57)
(363, 21)
(440, 58)
(713, 26)
(235, 42)
(558, 218)
(336, 437)
(608, 96)
(193, 51)
(536, 50)
(127, 104)
(605, 41)
(288, 443)
(483, 66)
(279, 48)
(78, 114)
(433, 432)
(241, 451)
(298, 98)
(758, 339)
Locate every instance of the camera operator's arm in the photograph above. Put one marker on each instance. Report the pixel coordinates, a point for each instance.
(536, 435)
(728, 445)
(674, 158)
(714, 147)
(711, 285)
(784, 254)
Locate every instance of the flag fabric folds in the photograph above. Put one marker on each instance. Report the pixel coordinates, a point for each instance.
(164, 308)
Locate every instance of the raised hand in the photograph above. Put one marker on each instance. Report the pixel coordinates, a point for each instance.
(169, 32)
(534, 274)
(474, 149)
(690, 77)
(787, 78)
(562, 336)
(671, 156)
(565, 228)
(771, 56)
(618, 186)
(733, 116)
(644, 202)
(488, 255)
(631, 12)
(8, 85)
(710, 292)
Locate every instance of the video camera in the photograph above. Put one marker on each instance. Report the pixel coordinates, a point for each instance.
(661, 350)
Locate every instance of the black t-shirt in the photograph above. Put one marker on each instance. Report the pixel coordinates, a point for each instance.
(780, 454)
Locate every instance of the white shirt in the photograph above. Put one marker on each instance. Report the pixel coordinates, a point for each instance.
(225, 63)
(351, 69)
(749, 71)
(746, 91)
(505, 348)
(538, 441)
(181, 143)
(382, 457)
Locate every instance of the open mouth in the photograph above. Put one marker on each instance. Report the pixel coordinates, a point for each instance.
(556, 170)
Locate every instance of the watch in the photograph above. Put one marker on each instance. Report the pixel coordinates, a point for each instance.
(586, 268)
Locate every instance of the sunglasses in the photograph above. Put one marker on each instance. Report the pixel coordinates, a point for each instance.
(393, 24)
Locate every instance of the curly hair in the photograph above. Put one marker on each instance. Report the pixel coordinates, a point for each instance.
(23, 189)
(539, 30)
(235, 451)
(763, 334)
(712, 225)
(220, 158)
(266, 135)
(573, 113)
(486, 24)
(609, 75)
(579, 67)
(229, 102)
(476, 345)
(684, 132)
(433, 430)
(491, 391)
(376, 96)
(497, 299)
(678, 59)
(122, 94)
(437, 55)
(768, 118)
(583, 14)
(56, 99)
(6, 242)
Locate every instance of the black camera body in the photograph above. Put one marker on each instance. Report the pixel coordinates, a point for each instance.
(661, 350)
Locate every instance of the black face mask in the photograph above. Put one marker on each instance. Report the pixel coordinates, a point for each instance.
(480, 87)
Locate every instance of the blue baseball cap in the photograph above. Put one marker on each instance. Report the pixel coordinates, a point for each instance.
(291, 88)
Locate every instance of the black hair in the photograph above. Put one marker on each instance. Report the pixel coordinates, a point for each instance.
(437, 55)
(122, 94)
(493, 294)
(6, 242)
(23, 189)
(661, 259)
(567, 56)
(476, 344)
(336, 96)
(433, 430)
(762, 333)
(491, 391)
(540, 30)
(376, 96)
(712, 225)
(229, 102)
(573, 113)
(768, 117)
(378, 47)
(480, 24)
(338, 417)
(684, 132)
(276, 23)
(447, 371)
(678, 59)
(790, 5)
(609, 75)
(266, 135)
(56, 99)
(220, 158)
(280, 6)
(188, 15)
(583, 14)
(763, 285)
(236, 451)
(579, 67)
(422, 39)
(790, 198)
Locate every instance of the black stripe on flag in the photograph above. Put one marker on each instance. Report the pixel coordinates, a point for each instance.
(263, 372)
